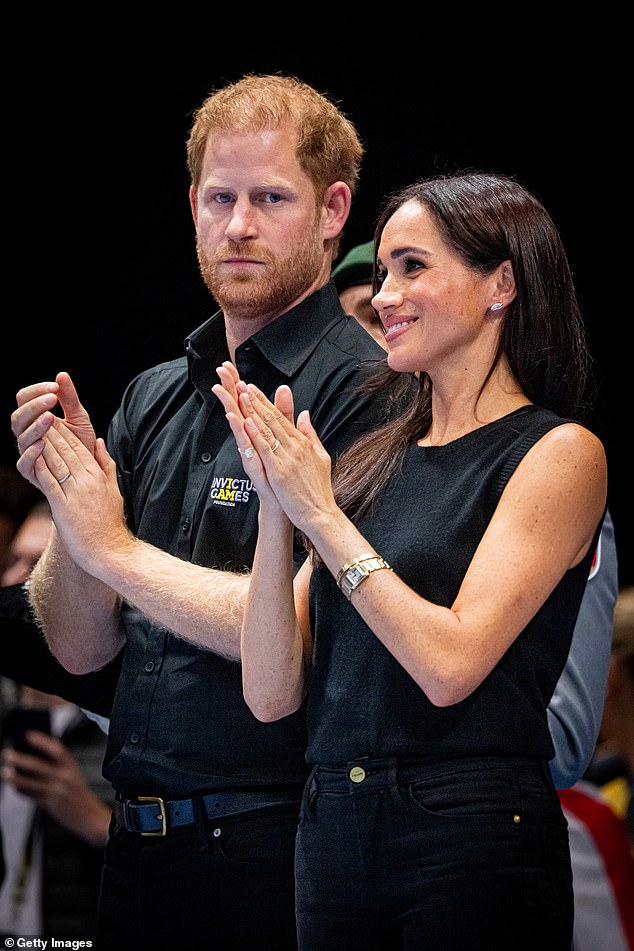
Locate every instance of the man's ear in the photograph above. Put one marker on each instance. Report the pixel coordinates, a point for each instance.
(193, 204)
(335, 209)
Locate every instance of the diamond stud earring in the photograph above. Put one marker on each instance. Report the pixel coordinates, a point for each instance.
(497, 306)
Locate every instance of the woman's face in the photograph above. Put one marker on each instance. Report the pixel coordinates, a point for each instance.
(433, 307)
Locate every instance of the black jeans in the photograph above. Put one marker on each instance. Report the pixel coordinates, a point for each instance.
(220, 885)
(470, 855)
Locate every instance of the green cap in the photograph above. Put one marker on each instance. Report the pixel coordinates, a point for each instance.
(355, 267)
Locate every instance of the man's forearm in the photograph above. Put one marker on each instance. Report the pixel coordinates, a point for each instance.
(78, 613)
(79, 609)
(202, 605)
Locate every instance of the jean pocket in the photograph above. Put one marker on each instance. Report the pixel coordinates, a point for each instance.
(473, 793)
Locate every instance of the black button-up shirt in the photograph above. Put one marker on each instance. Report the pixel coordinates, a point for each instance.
(180, 724)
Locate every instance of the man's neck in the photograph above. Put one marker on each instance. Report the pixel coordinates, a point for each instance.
(239, 328)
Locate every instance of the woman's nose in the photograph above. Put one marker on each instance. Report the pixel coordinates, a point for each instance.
(385, 298)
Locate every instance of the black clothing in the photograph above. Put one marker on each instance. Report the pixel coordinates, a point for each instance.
(218, 886)
(451, 828)
(71, 874)
(468, 854)
(180, 728)
(427, 525)
(180, 724)
(25, 658)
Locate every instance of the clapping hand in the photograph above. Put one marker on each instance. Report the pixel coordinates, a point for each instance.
(32, 421)
(280, 456)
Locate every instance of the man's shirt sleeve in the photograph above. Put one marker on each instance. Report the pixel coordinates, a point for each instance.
(576, 707)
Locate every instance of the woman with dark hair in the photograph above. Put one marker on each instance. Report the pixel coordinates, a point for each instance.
(449, 554)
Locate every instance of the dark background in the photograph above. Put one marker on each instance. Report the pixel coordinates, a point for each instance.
(102, 278)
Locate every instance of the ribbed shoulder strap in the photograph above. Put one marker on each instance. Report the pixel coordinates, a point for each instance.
(521, 447)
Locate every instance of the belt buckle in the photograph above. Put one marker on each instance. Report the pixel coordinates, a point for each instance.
(163, 816)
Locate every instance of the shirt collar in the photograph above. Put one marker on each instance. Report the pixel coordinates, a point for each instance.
(286, 342)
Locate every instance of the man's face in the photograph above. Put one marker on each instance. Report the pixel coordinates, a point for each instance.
(26, 548)
(258, 233)
(357, 300)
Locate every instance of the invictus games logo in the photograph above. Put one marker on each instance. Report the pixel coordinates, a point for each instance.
(225, 490)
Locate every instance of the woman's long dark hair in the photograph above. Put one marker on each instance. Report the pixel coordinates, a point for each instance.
(486, 218)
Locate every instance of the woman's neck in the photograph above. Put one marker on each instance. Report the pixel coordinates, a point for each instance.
(458, 408)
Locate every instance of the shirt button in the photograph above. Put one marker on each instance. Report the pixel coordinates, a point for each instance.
(357, 774)
(149, 667)
(206, 457)
(134, 738)
(185, 526)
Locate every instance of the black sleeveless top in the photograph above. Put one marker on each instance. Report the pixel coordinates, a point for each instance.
(427, 524)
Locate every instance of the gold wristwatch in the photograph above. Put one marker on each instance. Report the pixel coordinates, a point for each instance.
(352, 574)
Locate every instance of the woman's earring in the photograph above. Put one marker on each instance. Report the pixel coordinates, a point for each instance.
(497, 306)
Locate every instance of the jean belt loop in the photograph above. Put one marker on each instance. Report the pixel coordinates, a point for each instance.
(126, 810)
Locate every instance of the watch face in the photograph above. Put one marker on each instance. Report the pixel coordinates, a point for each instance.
(357, 572)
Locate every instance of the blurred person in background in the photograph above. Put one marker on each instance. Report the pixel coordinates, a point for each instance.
(612, 767)
(55, 805)
(599, 808)
(353, 280)
(16, 498)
